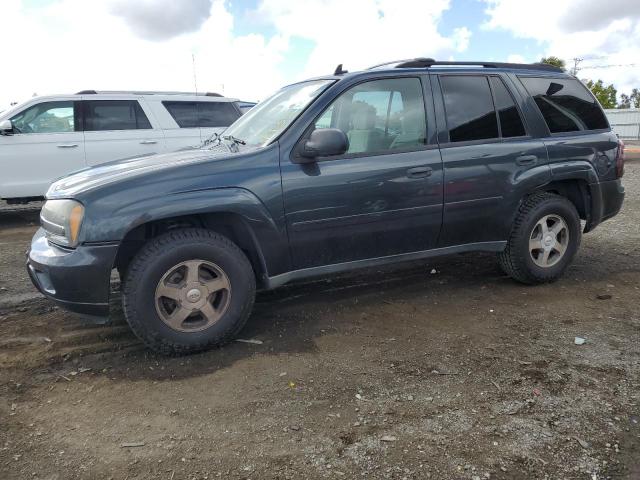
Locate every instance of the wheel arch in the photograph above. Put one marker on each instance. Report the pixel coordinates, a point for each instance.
(234, 213)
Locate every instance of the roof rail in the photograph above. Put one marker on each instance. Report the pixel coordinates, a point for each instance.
(430, 62)
(146, 92)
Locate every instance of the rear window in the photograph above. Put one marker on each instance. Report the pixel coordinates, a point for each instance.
(103, 115)
(565, 104)
(202, 114)
(469, 108)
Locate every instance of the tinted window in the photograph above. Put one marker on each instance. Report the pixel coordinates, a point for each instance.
(469, 107)
(217, 114)
(47, 117)
(379, 116)
(565, 104)
(510, 122)
(114, 115)
(202, 114)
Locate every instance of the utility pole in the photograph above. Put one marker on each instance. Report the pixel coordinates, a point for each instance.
(575, 69)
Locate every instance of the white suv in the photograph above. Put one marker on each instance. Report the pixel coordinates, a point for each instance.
(49, 137)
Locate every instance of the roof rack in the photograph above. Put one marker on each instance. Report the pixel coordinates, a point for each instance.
(430, 62)
(146, 92)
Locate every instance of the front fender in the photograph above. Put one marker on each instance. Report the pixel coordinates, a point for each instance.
(269, 233)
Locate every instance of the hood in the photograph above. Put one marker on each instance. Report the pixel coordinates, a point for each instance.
(94, 177)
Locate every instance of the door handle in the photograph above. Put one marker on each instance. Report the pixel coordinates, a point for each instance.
(419, 172)
(67, 145)
(526, 160)
(148, 142)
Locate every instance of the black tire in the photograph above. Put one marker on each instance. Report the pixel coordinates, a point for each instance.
(516, 260)
(161, 254)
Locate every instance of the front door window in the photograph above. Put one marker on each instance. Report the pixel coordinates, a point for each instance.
(381, 116)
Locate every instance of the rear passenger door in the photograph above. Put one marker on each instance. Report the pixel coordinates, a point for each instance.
(488, 156)
(118, 129)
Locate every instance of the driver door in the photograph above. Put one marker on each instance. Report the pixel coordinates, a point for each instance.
(383, 196)
(47, 143)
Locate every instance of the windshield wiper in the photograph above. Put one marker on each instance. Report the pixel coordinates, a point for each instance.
(216, 137)
(233, 139)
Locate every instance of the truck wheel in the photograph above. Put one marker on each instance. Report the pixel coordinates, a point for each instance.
(545, 238)
(188, 290)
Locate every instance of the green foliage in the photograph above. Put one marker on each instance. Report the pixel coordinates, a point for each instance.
(605, 95)
(555, 61)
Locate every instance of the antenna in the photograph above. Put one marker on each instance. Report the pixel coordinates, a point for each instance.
(195, 78)
(339, 70)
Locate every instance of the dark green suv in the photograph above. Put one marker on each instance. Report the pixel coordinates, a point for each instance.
(403, 161)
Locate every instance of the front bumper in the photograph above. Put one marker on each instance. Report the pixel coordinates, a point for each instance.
(78, 279)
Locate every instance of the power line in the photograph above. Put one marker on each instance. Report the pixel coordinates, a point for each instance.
(611, 66)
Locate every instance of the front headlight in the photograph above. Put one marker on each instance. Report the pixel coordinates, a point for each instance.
(61, 220)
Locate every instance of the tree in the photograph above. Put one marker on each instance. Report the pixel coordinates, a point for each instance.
(625, 101)
(628, 101)
(605, 95)
(635, 98)
(555, 61)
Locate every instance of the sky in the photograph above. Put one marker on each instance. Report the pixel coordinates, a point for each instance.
(249, 48)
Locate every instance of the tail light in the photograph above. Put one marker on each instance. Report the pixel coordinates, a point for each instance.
(620, 159)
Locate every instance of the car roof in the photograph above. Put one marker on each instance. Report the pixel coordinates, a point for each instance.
(422, 65)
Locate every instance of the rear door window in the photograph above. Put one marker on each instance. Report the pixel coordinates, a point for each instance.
(101, 115)
(469, 108)
(565, 104)
(202, 114)
(510, 121)
(217, 114)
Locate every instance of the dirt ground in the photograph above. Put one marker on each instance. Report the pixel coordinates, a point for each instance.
(387, 373)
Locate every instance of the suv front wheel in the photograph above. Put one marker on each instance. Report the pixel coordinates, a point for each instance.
(188, 290)
(545, 238)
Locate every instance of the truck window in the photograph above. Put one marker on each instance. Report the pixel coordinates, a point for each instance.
(565, 104)
(510, 122)
(380, 116)
(46, 117)
(103, 115)
(469, 108)
(202, 114)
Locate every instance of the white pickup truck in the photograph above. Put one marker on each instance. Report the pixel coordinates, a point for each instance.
(49, 137)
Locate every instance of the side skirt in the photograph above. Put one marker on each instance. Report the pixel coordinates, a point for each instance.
(278, 280)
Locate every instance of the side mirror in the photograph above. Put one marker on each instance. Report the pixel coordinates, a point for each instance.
(324, 142)
(5, 127)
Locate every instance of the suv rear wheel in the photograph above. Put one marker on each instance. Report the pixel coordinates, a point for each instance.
(544, 240)
(188, 290)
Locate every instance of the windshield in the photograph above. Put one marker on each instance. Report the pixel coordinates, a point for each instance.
(264, 122)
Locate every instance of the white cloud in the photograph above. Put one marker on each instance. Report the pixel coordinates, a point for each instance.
(601, 33)
(362, 33)
(162, 19)
(70, 45)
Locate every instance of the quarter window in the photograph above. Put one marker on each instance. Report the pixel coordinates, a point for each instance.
(103, 115)
(46, 117)
(565, 104)
(510, 122)
(379, 116)
(469, 108)
(202, 114)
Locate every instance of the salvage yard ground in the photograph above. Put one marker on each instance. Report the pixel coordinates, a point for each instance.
(386, 373)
